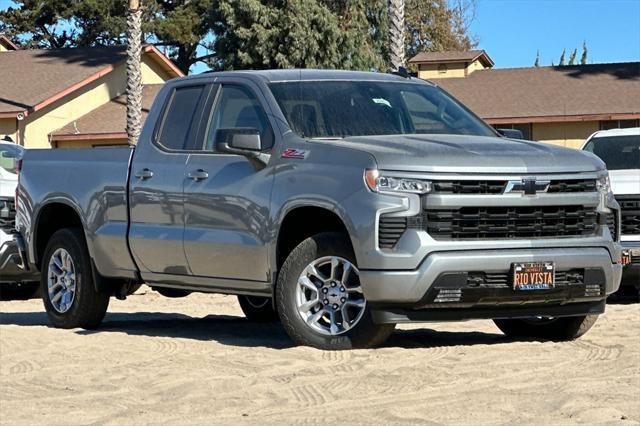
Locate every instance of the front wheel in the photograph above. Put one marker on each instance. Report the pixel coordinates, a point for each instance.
(320, 300)
(558, 329)
(68, 290)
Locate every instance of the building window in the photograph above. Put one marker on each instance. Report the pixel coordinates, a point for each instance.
(619, 124)
(525, 128)
(442, 69)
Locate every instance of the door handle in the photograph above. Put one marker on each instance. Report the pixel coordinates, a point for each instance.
(144, 174)
(198, 175)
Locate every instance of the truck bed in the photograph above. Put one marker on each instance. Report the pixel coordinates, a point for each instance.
(94, 183)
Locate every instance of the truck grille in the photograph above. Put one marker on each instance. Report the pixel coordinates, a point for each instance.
(630, 214)
(7, 216)
(510, 222)
(497, 186)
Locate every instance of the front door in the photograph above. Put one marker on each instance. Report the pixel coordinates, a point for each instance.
(227, 198)
(157, 179)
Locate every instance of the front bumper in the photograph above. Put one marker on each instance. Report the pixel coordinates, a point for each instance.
(414, 288)
(631, 272)
(10, 264)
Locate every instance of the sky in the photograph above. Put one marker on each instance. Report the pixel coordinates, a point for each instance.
(512, 31)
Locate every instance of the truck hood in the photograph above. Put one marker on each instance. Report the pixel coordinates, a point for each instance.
(625, 182)
(8, 183)
(464, 154)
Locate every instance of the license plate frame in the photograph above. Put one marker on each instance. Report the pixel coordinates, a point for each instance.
(532, 276)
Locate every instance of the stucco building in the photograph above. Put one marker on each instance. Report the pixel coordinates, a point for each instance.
(48, 97)
(562, 105)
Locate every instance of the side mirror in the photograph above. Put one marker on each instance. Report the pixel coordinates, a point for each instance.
(511, 133)
(241, 141)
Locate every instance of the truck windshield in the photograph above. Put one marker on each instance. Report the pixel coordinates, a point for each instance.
(618, 152)
(9, 155)
(336, 109)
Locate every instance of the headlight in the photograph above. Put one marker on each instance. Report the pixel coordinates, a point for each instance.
(379, 183)
(603, 184)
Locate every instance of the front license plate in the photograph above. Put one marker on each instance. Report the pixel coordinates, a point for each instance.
(533, 276)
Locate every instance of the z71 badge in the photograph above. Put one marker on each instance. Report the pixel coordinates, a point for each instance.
(295, 153)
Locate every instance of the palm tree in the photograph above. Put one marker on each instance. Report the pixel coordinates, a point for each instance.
(134, 76)
(396, 34)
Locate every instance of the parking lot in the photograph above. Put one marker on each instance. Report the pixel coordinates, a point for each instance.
(196, 360)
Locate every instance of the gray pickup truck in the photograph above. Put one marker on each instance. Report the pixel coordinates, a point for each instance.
(341, 202)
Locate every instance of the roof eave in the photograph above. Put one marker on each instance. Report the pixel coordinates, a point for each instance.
(88, 136)
(562, 118)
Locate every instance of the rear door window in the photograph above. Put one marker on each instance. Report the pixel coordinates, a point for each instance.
(180, 117)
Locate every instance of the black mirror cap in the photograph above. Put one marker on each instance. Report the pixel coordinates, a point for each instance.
(511, 133)
(238, 140)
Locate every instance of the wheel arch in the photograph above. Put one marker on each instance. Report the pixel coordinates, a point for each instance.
(51, 217)
(301, 222)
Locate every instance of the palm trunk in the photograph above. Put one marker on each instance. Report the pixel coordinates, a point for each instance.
(396, 34)
(134, 75)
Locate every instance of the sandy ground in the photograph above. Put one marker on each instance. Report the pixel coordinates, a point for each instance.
(198, 361)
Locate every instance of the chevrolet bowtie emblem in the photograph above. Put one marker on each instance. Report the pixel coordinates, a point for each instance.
(527, 186)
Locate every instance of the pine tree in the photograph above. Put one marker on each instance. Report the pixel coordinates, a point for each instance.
(432, 26)
(583, 58)
(178, 25)
(537, 62)
(572, 57)
(561, 63)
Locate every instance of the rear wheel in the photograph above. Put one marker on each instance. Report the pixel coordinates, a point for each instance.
(320, 299)
(558, 329)
(259, 309)
(67, 283)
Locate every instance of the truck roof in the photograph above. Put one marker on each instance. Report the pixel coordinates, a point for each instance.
(616, 132)
(273, 76)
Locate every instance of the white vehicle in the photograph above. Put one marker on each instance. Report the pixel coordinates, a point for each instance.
(14, 282)
(620, 150)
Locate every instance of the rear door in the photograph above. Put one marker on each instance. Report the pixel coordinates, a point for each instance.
(157, 179)
(226, 197)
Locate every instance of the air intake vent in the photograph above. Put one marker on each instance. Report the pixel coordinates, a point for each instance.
(390, 230)
(592, 290)
(448, 295)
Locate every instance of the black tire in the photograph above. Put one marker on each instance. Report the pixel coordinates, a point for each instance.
(258, 309)
(557, 329)
(364, 334)
(89, 306)
(20, 291)
(173, 293)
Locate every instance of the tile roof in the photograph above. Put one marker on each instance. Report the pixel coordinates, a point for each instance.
(28, 77)
(108, 119)
(578, 90)
(7, 43)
